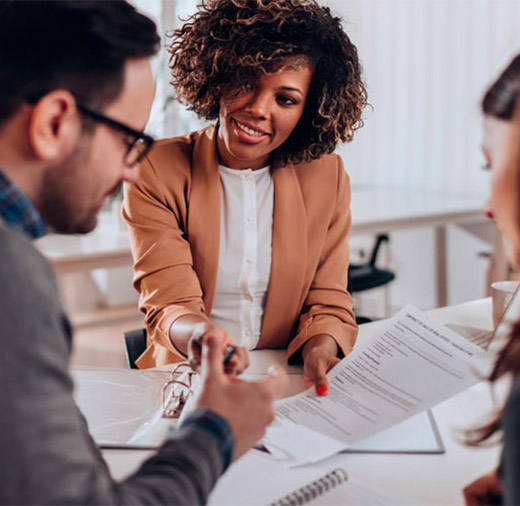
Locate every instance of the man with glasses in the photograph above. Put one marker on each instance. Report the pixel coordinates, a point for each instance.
(138, 142)
(75, 94)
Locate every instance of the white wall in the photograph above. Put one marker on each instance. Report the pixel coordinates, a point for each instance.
(426, 63)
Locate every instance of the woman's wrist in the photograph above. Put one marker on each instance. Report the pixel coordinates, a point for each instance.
(323, 342)
(185, 328)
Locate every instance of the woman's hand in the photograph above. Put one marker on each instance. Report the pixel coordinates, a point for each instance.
(235, 365)
(484, 490)
(319, 357)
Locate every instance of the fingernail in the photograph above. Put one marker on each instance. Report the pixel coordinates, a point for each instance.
(209, 341)
(322, 390)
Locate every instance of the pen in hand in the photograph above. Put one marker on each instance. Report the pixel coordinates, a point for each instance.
(195, 353)
(230, 353)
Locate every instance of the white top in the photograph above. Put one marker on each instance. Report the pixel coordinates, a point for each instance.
(246, 231)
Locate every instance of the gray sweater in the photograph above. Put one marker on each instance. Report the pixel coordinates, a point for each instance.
(46, 452)
(510, 466)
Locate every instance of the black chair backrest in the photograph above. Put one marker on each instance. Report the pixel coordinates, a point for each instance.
(135, 345)
(380, 239)
(366, 276)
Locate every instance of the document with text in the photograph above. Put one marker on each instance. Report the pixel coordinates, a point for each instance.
(408, 366)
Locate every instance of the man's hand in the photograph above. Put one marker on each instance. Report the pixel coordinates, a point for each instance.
(484, 490)
(319, 357)
(239, 360)
(247, 406)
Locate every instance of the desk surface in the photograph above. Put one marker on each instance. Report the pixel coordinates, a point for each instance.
(429, 479)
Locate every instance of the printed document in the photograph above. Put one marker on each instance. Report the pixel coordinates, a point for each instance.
(408, 366)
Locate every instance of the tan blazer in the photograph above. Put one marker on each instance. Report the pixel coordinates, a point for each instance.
(173, 214)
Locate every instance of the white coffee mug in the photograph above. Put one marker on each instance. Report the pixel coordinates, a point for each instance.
(502, 292)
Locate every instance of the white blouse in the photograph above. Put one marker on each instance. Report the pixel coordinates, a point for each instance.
(246, 231)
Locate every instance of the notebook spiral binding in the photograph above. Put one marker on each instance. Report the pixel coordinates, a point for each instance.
(305, 494)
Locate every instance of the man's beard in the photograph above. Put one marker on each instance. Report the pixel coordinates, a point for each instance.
(62, 205)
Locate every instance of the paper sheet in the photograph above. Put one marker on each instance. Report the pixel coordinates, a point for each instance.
(417, 434)
(403, 369)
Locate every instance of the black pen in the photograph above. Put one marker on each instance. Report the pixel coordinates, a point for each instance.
(230, 352)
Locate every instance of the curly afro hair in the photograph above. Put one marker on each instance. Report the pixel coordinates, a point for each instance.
(227, 45)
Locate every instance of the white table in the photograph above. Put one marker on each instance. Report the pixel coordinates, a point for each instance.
(374, 210)
(428, 479)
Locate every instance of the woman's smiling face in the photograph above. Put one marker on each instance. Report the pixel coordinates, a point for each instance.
(256, 122)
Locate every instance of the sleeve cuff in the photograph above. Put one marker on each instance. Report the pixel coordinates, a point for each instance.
(217, 428)
(168, 319)
(344, 335)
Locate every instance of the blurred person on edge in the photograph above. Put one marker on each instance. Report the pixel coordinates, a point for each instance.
(501, 147)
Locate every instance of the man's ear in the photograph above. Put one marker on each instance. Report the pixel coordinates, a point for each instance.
(54, 126)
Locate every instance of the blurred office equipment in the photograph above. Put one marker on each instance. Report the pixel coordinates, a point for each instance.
(366, 276)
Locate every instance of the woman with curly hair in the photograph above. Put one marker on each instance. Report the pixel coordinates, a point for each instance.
(241, 228)
(501, 146)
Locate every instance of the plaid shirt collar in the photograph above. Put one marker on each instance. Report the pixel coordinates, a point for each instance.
(18, 211)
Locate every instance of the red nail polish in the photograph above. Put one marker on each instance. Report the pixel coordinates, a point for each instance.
(322, 390)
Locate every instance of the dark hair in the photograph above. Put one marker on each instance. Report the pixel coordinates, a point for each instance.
(228, 45)
(500, 99)
(500, 102)
(81, 46)
(507, 363)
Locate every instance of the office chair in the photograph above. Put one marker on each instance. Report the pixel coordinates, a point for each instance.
(363, 277)
(135, 345)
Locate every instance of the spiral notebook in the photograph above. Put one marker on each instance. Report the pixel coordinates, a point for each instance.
(336, 488)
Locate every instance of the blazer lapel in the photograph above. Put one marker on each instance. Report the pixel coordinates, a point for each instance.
(204, 213)
(289, 249)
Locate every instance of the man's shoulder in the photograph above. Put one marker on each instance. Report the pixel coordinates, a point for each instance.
(30, 304)
(21, 260)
